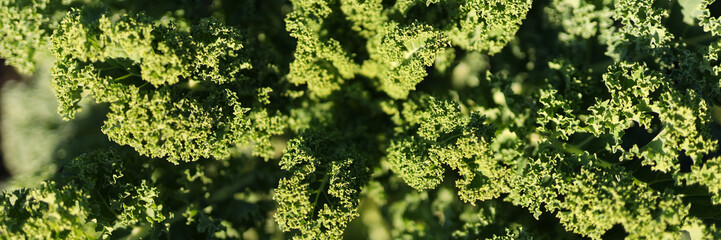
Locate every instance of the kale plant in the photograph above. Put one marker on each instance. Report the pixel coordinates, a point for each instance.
(361, 119)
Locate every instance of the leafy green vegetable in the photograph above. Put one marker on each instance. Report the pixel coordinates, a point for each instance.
(115, 61)
(362, 119)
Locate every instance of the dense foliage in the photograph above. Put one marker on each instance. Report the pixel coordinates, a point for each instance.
(380, 119)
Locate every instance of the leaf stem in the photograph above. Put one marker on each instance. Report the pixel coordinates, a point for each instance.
(127, 76)
(320, 190)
